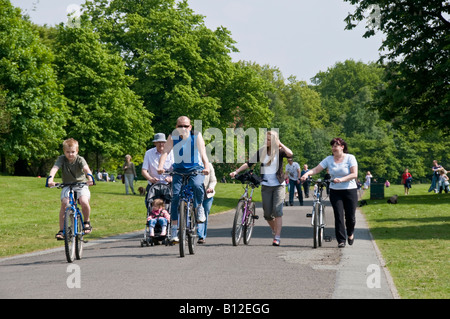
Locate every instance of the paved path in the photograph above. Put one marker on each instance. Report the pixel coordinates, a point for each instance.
(118, 267)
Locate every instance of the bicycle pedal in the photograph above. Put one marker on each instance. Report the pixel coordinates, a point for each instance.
(308, 215)
(255, 216)
(327, 238)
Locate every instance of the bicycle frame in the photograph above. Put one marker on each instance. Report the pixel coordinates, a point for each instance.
(78, 214)
(186, 216)
(245, 211)
(318, 222)
(186, 195)
(317, 201)
(73, 242)
(247, 200)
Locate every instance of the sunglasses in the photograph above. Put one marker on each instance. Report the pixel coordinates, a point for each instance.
(184, 126)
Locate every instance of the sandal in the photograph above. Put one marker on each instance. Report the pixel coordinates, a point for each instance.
(87, 227)
(59, 235)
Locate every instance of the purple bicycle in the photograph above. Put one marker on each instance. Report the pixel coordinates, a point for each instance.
(244, 218)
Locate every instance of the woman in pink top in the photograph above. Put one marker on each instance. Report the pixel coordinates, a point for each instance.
(406, 181)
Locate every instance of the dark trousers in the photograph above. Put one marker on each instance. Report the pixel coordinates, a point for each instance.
(344, 204)
(306, 188)
(293, 185)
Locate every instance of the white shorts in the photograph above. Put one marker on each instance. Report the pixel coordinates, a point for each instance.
(81, 191)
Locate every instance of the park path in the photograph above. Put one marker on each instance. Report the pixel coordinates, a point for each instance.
(118, 267)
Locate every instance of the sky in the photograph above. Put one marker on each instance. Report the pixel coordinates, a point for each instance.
(299, 37)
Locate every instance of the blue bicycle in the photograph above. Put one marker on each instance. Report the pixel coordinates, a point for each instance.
(187, 220)
(73, 223)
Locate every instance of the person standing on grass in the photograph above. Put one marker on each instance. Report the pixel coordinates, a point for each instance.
(129, 171)
(406, 180)
(435, 180)
(343, 169)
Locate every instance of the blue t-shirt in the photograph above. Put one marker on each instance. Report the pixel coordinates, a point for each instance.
(186, 154)
(339, 170)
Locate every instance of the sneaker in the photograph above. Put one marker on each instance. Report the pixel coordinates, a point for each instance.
(276, 242)
(201, 218)
(175, 239)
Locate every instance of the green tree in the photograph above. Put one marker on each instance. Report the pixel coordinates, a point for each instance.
(180, 65)
(34, 110)
(106, 116)
(416, 51)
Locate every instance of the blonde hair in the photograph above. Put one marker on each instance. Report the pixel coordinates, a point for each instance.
(70, 142)
(272, 150)
(128, 157)
(158, 203)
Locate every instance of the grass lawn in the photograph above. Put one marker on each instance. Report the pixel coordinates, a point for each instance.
(414, 239)
(29, 212)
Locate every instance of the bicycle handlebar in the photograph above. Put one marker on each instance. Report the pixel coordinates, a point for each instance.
(319, 181)
(248, 177)
(193, 173)
(70, 184)
(61, 185)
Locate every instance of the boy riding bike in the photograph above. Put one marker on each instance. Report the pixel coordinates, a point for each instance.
(74, 168)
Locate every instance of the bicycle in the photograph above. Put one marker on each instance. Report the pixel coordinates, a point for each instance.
(244, 218)
(73, 223)
(187, 215)
(318, 211)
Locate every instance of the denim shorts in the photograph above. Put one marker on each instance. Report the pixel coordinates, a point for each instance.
(272, 201)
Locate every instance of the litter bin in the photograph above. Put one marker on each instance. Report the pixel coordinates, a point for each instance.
(377, 191)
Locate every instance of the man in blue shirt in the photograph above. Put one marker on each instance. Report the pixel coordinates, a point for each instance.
(189, 154)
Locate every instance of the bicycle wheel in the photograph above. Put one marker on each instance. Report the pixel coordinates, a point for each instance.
(79, 238)
(236, 233)
(320, 230)
(69, 234)
(182, 210)
(249, 223)
(316, 226)
(192, 229)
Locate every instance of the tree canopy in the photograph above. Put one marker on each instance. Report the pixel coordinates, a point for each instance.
(130, 68)
(416, 54)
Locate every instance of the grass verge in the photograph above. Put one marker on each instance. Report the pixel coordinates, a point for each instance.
(413, 237)
(29, 212)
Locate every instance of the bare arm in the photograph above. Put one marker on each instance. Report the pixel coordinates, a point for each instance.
(240, 169)
(51, 175)
(286, 149)
(202, 149)
(314, 171)
(88, 172)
